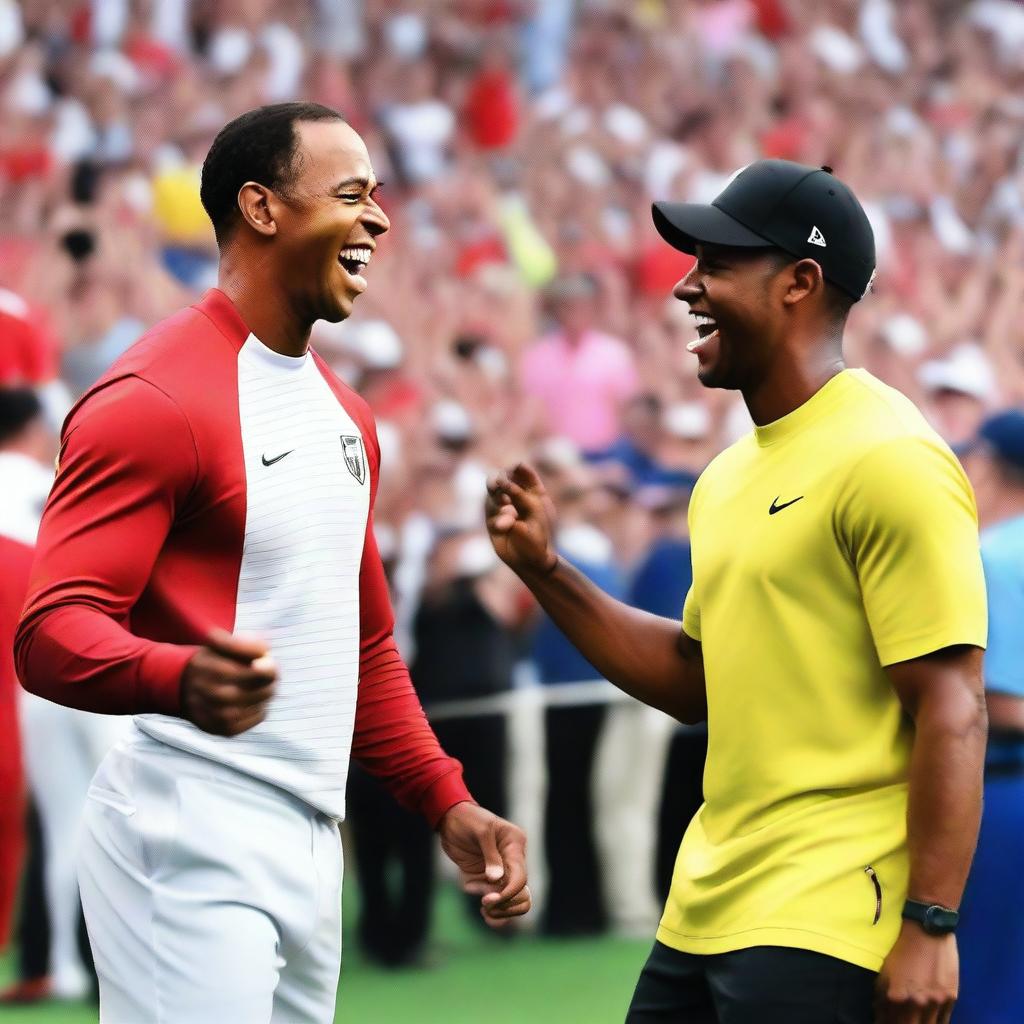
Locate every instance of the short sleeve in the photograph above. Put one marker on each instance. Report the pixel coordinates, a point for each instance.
(909, 524)
(1004, 659)
(691, 616)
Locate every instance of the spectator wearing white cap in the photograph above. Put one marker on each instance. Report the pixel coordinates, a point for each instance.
(961, 391)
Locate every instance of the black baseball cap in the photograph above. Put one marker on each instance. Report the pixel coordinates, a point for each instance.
(18, 408)
(805, 211)
(1004, 434)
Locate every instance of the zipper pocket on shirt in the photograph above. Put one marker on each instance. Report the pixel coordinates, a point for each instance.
(870, 872)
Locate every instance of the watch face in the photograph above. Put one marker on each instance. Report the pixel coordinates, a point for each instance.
(939, 920)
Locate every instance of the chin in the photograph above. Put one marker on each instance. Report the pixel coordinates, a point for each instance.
(712, 377)
(338, 309)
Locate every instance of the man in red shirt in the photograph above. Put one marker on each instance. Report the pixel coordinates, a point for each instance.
(206, 563)
(21, 446)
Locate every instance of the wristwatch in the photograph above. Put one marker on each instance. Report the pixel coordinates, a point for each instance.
(935, 920)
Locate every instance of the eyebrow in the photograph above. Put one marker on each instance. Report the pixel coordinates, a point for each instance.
(364, 182)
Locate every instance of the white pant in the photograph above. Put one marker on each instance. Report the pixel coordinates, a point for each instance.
(62, 749)
(210, 897)
(629, 767)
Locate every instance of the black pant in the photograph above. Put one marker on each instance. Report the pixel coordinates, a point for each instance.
(762, 985)
(574, 904)
(681, 796)
(394, 853)
(34, 914)
(480, 743)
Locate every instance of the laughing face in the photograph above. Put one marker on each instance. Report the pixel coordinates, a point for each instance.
(728, 292)
(329, 222)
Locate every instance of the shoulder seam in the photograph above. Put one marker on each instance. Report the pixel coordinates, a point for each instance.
(213, 323)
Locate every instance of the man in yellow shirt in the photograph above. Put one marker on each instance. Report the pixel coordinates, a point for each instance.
(832, 639)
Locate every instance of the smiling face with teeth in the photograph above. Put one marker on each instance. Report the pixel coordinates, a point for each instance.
(322, 232)
(738, 321)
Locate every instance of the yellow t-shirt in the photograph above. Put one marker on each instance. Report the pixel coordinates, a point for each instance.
(826, 545)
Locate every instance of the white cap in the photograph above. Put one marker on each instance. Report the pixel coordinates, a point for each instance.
(626, 124)
(965, 370)
(559, 452)
(12, 29)
(451, 421)
(377, 343)
(587, 166)
(834, 48)
(689, 421)
(230, 50)
(476, 556)
(117, 68)
(387, 540)
(905, 334)
(406, 35)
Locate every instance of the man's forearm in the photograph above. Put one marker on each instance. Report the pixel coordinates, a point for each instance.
(638, 652)
(78, 656)
(945, 797)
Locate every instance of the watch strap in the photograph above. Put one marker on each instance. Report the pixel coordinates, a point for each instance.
(932, 917)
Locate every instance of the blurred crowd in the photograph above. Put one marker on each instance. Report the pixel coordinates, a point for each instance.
(521, 305)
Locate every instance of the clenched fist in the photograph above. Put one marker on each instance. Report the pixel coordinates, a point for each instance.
(227, 684)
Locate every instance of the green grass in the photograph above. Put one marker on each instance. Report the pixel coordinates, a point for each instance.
(478, 979)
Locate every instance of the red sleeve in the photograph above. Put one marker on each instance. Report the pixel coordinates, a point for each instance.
(393, 739)
(127, 463)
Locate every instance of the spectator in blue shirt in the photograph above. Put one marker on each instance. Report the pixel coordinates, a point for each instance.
(991, 933)
(637, 448)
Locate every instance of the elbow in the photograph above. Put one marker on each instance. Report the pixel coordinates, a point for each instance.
(961, 717)
(691, 713)
(23, 662)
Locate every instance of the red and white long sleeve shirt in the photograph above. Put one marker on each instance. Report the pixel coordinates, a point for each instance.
(205, 481)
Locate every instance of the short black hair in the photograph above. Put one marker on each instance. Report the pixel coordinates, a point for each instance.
(837, 302)
(18, 408)
(259, 146)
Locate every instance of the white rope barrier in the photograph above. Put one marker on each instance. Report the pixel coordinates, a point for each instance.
(531, 696)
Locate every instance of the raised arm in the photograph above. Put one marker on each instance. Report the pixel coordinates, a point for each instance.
(646, 656)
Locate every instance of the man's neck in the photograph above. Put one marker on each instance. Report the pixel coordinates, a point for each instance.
(792, 380)
(264, 309)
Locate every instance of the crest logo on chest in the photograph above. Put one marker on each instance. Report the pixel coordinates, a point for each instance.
(355, 457)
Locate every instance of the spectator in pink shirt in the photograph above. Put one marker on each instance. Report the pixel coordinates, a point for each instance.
(581, 377)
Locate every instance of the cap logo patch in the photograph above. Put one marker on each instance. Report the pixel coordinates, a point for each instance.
(816, 238)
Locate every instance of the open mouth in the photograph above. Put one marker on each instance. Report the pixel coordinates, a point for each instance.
(707, 330)
(354, 260)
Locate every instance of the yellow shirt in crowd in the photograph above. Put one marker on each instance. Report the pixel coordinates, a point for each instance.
(826, 545)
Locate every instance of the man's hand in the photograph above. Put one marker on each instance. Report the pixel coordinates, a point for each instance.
(521, 521)
(491, 854)
(919, 980)
(227, 684)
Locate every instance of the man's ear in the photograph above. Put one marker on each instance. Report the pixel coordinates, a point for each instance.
(807, 280)
(256, 203)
